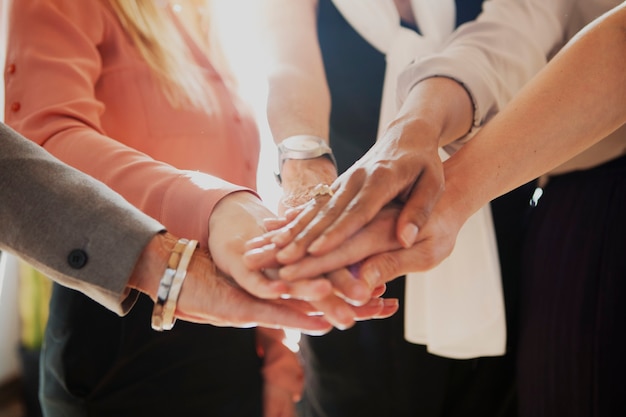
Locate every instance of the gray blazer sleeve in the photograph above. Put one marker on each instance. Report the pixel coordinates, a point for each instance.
(73, 228)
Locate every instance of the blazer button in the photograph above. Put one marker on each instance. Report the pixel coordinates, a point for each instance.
(77, 258)
(16, 106)
(10, 68)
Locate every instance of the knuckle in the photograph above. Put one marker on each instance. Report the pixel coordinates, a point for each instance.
(388, 264)
(358, 212)
(382, 173)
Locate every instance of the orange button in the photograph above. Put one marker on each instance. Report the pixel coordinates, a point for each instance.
(10, 68)
(16, 106)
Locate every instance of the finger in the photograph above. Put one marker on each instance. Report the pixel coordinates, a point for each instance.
(272, 224)
(385, 267)
(376, 237)
(260, 241)
(379, 291)
(260, 258)
(293, 212)
(304, 234)
(259, 285)
(229, 305)
(336, 311)
(359, 211)
(417, 209)
(287, 233)
(350, 288)
(309, 290)
(381, 308)
(344, 192)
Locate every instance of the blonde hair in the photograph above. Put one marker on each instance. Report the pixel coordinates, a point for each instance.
(162, 46)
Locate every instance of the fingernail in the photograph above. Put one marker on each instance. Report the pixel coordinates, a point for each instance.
(391, 302)
(280, 238)
(287, 271)
(271, 273)
(408, 235)
(285, 254)
(354, 269)
(344, 318)
(316, 245)
(371, 276)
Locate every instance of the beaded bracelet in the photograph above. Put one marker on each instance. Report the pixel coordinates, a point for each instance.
(171, 284)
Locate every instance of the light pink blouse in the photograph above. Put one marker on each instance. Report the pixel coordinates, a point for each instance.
(76, 85)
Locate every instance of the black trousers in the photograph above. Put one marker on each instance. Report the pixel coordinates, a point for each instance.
(95, 363)
(571, 351)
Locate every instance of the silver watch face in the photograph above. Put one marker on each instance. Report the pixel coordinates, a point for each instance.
(302, 143)
(302, 147)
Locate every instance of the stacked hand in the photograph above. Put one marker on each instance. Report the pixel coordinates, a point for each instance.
(335, 295)
(366, 232)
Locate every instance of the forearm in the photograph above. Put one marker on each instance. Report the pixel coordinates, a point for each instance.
(298, 96)
(576, 101)
(298, 102)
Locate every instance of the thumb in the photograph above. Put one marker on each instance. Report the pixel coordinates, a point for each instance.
(418, 207)
(379, 269)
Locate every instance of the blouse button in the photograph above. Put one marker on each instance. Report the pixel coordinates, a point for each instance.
(16, 106)
(10, 68)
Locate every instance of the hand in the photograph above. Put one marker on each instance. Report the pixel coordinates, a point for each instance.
(379, 256)
(338, 309)
(434, 244)
(376, 237)
(283, 376)
(363, 301)
(277, 402)
(237, 218)
(299, 177)
(403, 165)
(210, 297)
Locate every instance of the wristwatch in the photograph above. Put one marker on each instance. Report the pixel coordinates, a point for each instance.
(302, 147)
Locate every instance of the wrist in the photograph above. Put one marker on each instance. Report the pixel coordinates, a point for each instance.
(444, 104)
(151, 264)
(302, 147)
(301, 177)
(304, 173)
(464, 188)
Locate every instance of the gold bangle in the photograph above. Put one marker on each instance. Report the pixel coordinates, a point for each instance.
(171, 283)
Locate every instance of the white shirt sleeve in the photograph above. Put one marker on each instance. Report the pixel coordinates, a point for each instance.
(494, 55)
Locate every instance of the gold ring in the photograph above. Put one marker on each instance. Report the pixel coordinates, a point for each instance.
(322, 189)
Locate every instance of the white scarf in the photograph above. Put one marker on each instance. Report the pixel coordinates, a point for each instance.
(457, 308)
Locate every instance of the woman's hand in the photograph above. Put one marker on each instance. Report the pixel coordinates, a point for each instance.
(374, 253)
(404, 165)
(210, 297)
(299, 179)
(237, 218)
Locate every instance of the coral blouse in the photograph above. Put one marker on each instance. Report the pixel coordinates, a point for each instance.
(76, 85)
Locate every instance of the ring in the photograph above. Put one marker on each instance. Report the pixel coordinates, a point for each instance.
(322, 189)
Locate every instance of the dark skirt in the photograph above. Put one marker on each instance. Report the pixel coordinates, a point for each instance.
(572, 359)
(95, 363)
